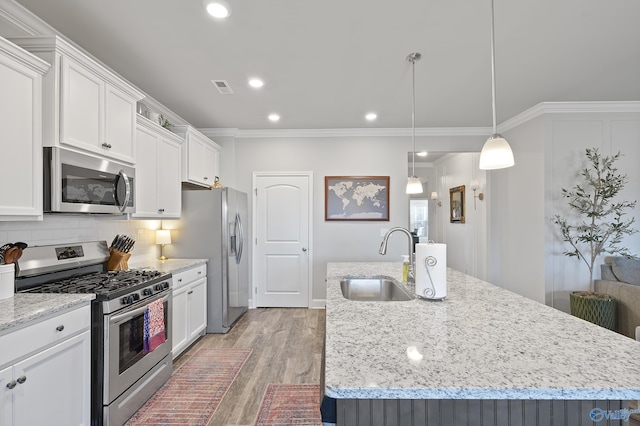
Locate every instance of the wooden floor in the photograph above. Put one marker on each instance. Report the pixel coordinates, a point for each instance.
(287, 348)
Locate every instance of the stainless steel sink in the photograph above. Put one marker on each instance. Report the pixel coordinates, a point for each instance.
(379, 289)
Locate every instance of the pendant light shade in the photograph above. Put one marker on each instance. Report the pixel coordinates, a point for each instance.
(496, 152)
(414, 186)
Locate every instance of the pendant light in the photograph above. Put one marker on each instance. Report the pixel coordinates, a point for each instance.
(496, 152)
(414, 186)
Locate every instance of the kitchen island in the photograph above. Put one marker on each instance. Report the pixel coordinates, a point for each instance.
(483, 355)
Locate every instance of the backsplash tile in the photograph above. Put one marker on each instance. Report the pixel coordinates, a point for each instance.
(60, 229)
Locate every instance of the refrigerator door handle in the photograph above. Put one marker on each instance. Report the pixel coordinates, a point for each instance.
(239, 239)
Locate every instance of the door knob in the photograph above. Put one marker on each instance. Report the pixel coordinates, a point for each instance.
(304, 249)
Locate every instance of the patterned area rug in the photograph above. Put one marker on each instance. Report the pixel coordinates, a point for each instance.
(194, 391)
(290, 405)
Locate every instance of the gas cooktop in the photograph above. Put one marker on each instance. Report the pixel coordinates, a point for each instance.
(105, 285)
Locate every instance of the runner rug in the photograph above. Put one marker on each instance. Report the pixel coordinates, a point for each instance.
(290, 405)
(194, 391)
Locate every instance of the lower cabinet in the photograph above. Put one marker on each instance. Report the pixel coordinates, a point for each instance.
(189, 308)
(52, 386)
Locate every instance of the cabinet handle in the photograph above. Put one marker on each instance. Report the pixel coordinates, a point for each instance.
(179, 280)
(106, 145)
(21, 379)
(12, 384)
(206, 178)
(160, 210)
(199, 272)
(60, 327)
(190, 292)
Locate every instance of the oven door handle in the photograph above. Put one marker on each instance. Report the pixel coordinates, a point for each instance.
(116, 319)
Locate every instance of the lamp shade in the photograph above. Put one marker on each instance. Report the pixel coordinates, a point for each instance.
(496, 154)
(414, 186)
(163, 236)
(434, 195)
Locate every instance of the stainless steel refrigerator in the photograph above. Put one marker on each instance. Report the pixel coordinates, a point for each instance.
(212, 226)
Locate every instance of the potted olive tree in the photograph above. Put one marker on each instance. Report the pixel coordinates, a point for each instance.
(601, 226)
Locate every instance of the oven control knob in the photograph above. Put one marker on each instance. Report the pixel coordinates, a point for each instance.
(158, 287)
(165, 285)
(147, 291)
(127, 300)
(135, 296)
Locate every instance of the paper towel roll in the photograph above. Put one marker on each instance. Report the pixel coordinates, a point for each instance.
(7, 285)
(431, 270)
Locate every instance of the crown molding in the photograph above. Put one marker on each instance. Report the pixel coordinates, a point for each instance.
(569, 108)
(23, 19)
(353, 132)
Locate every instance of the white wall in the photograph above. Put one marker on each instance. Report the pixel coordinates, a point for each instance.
(466, 242)
(548, 144)
(340, 156)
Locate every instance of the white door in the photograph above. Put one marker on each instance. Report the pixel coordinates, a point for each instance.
(282, 208)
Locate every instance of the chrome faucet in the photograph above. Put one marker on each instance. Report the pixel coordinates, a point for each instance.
(383, 250)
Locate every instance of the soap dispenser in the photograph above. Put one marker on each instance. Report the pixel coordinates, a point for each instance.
(405, 267)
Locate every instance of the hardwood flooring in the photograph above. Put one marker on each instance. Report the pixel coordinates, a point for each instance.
(287, 348)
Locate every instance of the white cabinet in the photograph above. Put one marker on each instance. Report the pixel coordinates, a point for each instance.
(86, 106)
(189, 307)
(157, 185)
(50, 382)
(21, 123)
(200, 157)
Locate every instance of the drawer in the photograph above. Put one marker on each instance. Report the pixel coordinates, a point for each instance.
(39, 335)
(190, 275)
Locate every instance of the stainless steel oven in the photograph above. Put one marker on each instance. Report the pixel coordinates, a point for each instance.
(123, 375)
(126, 361)
(75, 182)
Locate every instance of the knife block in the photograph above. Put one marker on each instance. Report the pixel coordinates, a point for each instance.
(119, 261)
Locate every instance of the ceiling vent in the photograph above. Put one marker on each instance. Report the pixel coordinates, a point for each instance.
(222, 86)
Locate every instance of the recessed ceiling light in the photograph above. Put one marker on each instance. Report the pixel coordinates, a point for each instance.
(217, 8)
(256, 83)
(421, 154)
(274, 117)
(371, 116)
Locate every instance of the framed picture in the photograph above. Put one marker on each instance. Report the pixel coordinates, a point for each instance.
(456, 204)
(356, 198)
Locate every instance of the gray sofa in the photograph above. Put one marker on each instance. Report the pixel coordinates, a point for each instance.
(620, 278)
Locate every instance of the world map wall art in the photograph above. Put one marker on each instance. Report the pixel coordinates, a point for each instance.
(356, 198)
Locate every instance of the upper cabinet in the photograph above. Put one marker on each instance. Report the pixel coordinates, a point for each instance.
(21, 76)
(86, 106)
(157, 172)
(200, 157)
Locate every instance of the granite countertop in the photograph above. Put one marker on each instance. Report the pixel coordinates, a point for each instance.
(481, 342)
(23, 308)
(170, 265)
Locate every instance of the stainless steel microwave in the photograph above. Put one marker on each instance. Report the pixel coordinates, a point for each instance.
(81, 183)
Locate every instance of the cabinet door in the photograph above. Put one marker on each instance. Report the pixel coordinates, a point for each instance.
(57, 385)
(179, 327)
(120, 124)
(146, 172)
(210, 163)
(197, 308)
(82, 100)
(195, 160)
(20, 121)
(168, 179)
(6, 397)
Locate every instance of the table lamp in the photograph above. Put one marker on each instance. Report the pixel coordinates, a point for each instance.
(163, 237)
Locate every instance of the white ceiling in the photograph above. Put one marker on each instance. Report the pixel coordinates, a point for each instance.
(327, 63)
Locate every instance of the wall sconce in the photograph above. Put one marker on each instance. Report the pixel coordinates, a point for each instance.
(163, 237)
(475, 185)
(434, 197)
